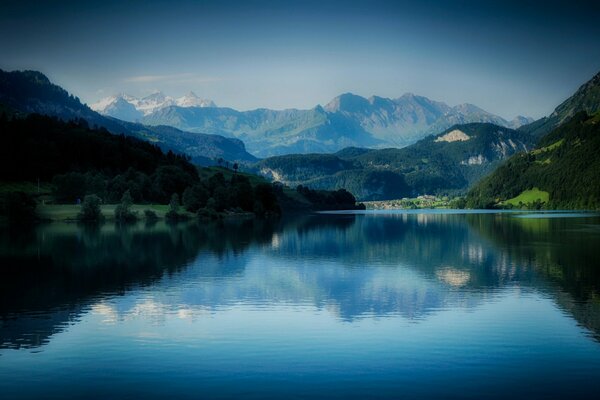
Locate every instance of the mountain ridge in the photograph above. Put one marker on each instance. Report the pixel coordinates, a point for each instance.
(347, 120)
(586, 98)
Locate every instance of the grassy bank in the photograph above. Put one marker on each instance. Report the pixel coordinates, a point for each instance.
(69, 212)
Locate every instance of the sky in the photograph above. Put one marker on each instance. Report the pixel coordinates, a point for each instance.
(508, 57)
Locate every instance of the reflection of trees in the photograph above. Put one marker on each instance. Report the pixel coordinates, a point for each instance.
(563, 252)
(51, 272)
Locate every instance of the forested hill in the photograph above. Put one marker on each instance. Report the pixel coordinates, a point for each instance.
(25, 92)
(446, 163)
(563, 171)
(96, 161)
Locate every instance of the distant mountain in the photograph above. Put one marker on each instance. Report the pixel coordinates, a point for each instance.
(520, 121)
(586, 98)
(563, 171)
(26, 92)
(129, 108)
(348, 120)
(268, 132)
(446, 163)
(409, 118)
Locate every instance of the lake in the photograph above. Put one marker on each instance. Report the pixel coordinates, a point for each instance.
(368, 304)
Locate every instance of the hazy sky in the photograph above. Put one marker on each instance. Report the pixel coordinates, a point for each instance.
(509, 57)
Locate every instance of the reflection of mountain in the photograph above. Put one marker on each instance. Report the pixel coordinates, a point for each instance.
(411, 265)
(408, 265)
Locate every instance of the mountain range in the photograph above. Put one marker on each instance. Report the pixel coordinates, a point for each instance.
(557, 155)
(564, 144)
(348, 120)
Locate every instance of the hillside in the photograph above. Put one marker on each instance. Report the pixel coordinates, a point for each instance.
(78, 161)
(25, 92)
(563, 171)
(446, 163)
(586, 98)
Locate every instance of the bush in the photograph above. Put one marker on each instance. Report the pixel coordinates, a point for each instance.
(150, 215)
(90, 209)
(207, 213)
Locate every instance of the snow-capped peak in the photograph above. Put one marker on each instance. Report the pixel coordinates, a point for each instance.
(148, 104)
(102, 104)
(192, 100)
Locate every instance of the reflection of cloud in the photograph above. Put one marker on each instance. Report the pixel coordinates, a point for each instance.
(453, 277)
(172, 78)
(152, 309)
(108, 312)
(275, 241)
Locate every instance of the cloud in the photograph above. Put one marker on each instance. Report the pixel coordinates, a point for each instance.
(173, 78)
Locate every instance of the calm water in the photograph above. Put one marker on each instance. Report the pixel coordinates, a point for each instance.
(380, 304)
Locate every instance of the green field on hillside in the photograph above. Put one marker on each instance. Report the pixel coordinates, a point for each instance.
(528, 197)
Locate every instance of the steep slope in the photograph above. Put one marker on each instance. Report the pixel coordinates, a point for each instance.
(586, 98)
(563, 171)
(442, 164)
(348, 120)
(28, 92)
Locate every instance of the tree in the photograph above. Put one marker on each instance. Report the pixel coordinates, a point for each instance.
(171, 179)
(265, 200)
(90, 209)
(195, 197)
(123, 211)
(235, 168)
(174, 203)
(69, 186)
(173, 213)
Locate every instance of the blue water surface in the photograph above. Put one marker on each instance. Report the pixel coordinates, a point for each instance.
(419, 304)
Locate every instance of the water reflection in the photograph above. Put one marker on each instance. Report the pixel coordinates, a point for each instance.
(353, 266)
